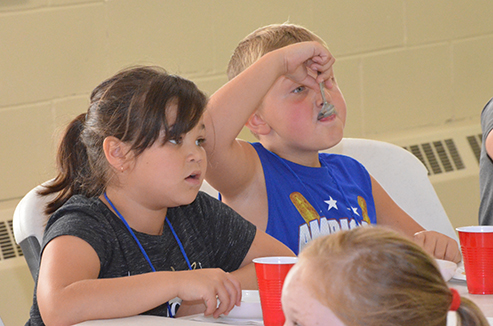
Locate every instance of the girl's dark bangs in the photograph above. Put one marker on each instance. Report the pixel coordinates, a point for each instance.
(149, 114)
(191, 103)
(159, 97)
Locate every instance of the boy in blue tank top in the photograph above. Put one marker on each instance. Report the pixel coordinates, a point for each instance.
(282, 183)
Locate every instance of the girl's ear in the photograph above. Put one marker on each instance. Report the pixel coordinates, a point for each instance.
(116, 153)
(257, 124)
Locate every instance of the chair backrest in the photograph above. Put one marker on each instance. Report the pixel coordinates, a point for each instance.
(404, 178)
(29, 222)
(207, 188)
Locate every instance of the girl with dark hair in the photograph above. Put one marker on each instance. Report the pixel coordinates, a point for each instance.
(130, 232)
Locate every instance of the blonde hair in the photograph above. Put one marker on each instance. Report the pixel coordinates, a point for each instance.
(264, 40)
(374, 276)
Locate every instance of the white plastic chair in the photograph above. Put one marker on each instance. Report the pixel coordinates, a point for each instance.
(207, 188)
(30, 220)
(404, 178)
(29, 223)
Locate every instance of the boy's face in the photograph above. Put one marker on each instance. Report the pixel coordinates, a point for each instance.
(300, 306)
(291, 109)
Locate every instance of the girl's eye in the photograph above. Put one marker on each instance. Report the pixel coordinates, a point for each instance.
(200, 141)
(299, 89)
(176, 141)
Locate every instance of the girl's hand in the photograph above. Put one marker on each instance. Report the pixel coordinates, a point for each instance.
(438, 245)
(209, 285)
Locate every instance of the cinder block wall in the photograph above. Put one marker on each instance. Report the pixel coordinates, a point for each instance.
(402, 65)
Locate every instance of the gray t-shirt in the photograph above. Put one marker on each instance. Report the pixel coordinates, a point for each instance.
(213, 236)
(486, 169)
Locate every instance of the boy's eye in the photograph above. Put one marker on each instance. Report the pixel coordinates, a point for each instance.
(200, 141)
(299, 89)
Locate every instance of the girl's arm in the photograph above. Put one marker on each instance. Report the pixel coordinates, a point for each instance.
(70, 292)
(232, 105)
(263, 245)
(390, 214)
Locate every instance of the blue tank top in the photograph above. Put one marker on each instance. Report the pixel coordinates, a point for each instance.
(306, 202)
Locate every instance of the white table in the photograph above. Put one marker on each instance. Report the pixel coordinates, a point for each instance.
(162, 321)
(484, 302)
(145, 320)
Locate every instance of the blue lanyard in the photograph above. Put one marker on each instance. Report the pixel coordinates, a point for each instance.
(142, 248)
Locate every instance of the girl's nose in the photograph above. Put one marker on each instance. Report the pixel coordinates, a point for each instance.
(197, 154)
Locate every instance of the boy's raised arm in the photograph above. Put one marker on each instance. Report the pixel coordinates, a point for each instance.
(227, 112)
(233, 163)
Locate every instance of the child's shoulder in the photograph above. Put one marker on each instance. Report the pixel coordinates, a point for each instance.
(80, 208)
(79, 203)
(85, 218)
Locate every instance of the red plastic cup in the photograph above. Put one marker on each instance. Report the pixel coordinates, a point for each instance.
(271, 272)
(476, 243)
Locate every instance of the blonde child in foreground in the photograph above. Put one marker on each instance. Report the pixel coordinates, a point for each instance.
(283, 184)
(371, 276)
(130, 230)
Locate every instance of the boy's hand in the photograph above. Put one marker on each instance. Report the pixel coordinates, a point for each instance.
(208, 285)
(308, 63)
(438, 245)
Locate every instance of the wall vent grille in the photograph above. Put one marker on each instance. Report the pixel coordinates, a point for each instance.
(438, 156)
(442, 156)
(8, 247)
(450, 153)
(475, 143)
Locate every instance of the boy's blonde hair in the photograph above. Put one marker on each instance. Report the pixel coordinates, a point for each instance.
(374, 276)
(264, 40)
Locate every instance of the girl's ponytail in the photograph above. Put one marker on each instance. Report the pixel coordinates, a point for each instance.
(469, 314)
(72, 162)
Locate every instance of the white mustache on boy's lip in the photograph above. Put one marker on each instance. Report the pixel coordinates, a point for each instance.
(327, 111)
